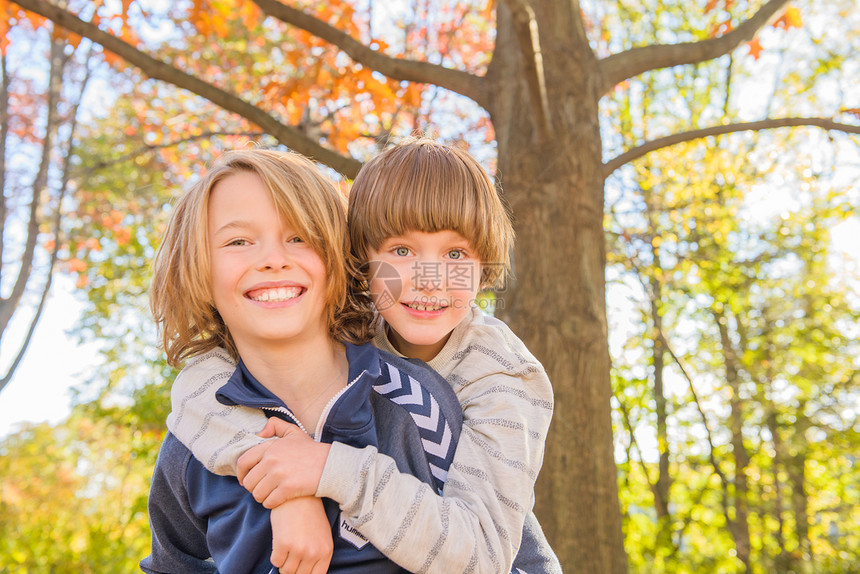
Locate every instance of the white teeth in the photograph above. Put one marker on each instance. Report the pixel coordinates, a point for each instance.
(276, 295)
(423, 307)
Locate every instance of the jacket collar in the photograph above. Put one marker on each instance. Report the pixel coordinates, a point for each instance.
(350, 410)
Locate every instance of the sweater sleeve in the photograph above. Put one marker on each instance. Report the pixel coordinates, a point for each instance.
(216, 434)
(477, 523)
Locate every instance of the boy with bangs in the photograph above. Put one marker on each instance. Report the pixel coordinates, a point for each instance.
(428, 221)
(252, 279)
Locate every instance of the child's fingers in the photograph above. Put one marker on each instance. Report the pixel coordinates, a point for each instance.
(321, 567)
(252, 478)
(278, 557)
(305, 567)
(260, 486)
(291, 564)
(275, 427)
(276, 497)
(309, 566)
(250, 459)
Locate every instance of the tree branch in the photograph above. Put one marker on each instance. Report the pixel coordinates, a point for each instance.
(624, 65)
(724, 490)
(469, 85)
(526, 29)
(625, 416)
(4, 134)
(26, 343)
(667, 141)
(156, 69)
(57, 66)
(146, 148)
(55, 226)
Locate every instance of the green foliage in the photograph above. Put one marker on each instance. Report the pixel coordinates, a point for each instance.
(73, 496)
(769, 280)
(731, 249)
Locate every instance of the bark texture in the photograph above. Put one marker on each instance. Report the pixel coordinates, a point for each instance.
(556, 300)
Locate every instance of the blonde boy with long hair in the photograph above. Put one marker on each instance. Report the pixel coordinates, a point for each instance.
(252, 280)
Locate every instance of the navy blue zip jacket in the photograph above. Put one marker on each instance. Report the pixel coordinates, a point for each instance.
(203, 523)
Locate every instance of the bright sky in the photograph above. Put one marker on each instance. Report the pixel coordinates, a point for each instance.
(53, 364)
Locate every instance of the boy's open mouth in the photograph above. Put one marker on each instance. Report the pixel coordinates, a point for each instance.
(420, 306)
(274, 294)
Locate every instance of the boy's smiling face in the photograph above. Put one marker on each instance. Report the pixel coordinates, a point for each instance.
(268, 284)
(423, 285)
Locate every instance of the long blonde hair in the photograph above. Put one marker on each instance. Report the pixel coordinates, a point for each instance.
(181, 295)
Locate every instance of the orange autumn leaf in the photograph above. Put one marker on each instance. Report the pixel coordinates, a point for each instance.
(755, 48)
(122, 236)
(113, 60)
(487, 12)
(71, 38)
(251, 15)
(5, 17)
(413, 95)
(93, 244)
(294, 113)
(77, 265)
(790, 19)
(854, 112)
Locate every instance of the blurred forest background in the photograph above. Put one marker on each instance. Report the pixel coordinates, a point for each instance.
(679, 172)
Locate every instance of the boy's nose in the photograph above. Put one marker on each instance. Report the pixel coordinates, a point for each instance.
(275, 256)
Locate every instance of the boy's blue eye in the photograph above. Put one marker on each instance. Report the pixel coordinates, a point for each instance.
(455, 254)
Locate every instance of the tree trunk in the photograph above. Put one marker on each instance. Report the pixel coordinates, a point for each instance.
(740, 526)
(796, 468)
(555, 188)
(783, 558)
(665, 546)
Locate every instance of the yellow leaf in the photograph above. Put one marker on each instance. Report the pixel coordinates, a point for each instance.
(790, 19)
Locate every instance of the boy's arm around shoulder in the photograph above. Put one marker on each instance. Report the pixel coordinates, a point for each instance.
(477, 523)
(507, 402)
(216, 434)
(505, 393)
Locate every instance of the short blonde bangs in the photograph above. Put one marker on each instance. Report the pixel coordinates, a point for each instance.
(421, 185)
(181, 296)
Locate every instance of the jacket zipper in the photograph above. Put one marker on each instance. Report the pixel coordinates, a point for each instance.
(328, 406)
(290, 414)
(323, 415)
